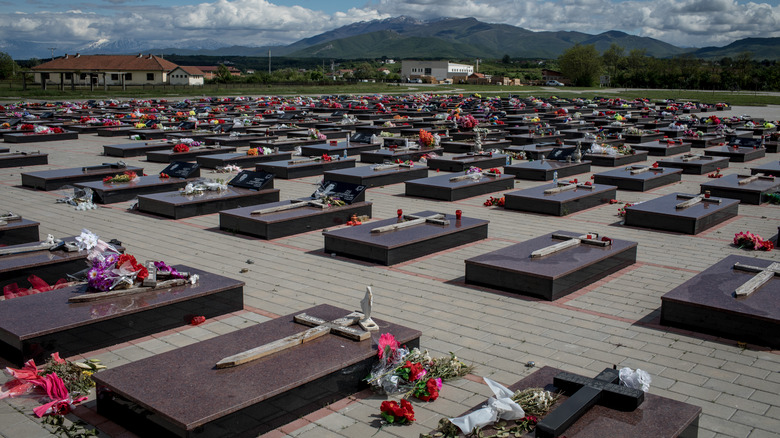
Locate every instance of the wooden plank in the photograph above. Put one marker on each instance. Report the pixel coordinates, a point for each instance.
(688, 203)
(292, 206)
(273, 347)
(96, 296)
(552, 249)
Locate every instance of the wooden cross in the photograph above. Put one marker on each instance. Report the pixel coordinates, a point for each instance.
(604, 389)
(295, 203)
(305, 160)
(750, 179)
(321, 328)
(643, 169)
(379, 167)
(562, 187)
(411, 220)
(693, 200)
(9, 217)
(473, 175)
(763, 276)
(691, 157)
(50, 244)
(117, 165)
(569, 242)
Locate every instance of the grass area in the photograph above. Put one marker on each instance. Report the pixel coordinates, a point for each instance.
(12, 92)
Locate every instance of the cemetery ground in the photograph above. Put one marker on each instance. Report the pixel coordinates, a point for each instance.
(615, 321)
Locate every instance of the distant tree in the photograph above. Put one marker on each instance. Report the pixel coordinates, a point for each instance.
(506, 59)
(581, 64)
(223, 74)
(7, 66)
(612, 59)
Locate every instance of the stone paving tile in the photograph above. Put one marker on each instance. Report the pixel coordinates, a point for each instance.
(614, 322)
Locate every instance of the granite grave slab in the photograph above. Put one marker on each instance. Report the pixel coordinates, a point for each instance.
(747, 189)
(377, 175)
(418, 238)
(736, 154)
(544, 170)
(682, 213)
(17, 231)
(639, 178)
(338, 149)
(21, 159)
(695, 163)
(516, 269)
(445, 188)
(546, 199)
(401, 153)
(136, 149)
(34, 326)
(616, 160)
(248, 399)
(179, 174)
(461, 163)
(240, 159)
(707, 303)
(169, 156)
(663, 148)
(299, 168)
(771, 168)
(29, 137)
(55, 179)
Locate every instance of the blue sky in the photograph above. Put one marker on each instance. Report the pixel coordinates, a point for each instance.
(686, 23)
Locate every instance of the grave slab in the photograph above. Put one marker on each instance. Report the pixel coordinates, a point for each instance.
(34, 326)
(136, 149)
(539, 170)
(170, 156)
(248, 399)
(704, 141)
(642, 138)
(26, 137)
(55, 179)
(239, 159)
(662, 213)
(441, 187)
(403, 244)
(115, 131)
(464, 146)
(461, 163)
(617, 160)
(655, 417)
(771, 168)
(753, 192)
(19, 231)
(635, 178)
(390, 155)
(663, 148)
(338, 149)
(536, 151)
(707, 303)
(552, 276)
(285, 145)
(291, 169)
(376, 176)
(179, 174)
(695, 164)
(563, 203)
(20, 159)
(736, 154)
(247, 188)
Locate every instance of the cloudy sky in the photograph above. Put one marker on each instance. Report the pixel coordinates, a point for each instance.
(687, 23)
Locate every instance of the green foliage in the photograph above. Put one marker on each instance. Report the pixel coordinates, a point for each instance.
(8, 68)
(581, 65)
(223, 74)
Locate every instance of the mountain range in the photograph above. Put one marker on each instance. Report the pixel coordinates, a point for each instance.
(405, 37)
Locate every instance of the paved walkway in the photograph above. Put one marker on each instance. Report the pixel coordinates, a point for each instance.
(612, 322)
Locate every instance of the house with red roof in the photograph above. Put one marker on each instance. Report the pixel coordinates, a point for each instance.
(104, 70)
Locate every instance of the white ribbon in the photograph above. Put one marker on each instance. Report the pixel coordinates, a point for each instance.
(638, 379)
(500, 407)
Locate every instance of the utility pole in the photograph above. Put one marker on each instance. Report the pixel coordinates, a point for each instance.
(52, 52)
(269, 61)
(477, 65)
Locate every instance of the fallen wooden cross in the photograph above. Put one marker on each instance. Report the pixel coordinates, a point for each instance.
(117, 165)
(762, 277)
(321, 328)
(305, 160)
(691, 157)
(750, 179)
(294, 204)
(411, 220)
(569, 242)
(693, 200)
(562, 187)
(96, 296)
(379, 167)
(643, 169)
(50, 244)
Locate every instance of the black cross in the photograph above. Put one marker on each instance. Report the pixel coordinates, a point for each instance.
(604, 389)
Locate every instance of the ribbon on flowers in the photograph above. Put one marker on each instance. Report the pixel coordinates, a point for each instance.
(500, 407)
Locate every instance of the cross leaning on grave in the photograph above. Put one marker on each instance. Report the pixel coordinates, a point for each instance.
(569, 242)
(411, 220)
(762, 277)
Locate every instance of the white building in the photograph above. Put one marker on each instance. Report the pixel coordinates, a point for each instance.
(439, 70)
(186, 75)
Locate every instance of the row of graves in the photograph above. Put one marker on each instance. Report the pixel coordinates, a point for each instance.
(473, 147)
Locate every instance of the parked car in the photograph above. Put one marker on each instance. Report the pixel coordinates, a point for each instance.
(554, 84)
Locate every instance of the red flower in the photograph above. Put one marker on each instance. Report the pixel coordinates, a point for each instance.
(197, 320)
(164, 175)
(392, 412)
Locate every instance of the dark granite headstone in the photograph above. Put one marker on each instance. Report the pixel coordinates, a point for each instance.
(751, 193)
(136, 149)
(182, 169)
(20, 159)
(698, 166)
(370, 177)
(20, 231)
(55, 179)
(34, 326)
(552, 276)
(539, 170)
(440, 186)
(248, 399)
(707, 303)
(360, 137)
(771, 168)
(343, 191)
(738, 154)
(645, 180)
(559, 204)
(663, 148)
(248, 179)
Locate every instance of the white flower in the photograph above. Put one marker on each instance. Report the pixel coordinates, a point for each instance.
(193, 278)
(87, 240)
(638, 379)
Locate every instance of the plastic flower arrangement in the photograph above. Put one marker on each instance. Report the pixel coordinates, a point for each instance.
(181, 147)
(467, 122)
(748, 240)
(426, 139)
(495, 201)
(121, 178)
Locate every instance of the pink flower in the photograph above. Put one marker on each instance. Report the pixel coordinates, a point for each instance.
(387, 345)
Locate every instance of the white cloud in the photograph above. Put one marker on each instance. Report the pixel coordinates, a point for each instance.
(259, 22)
